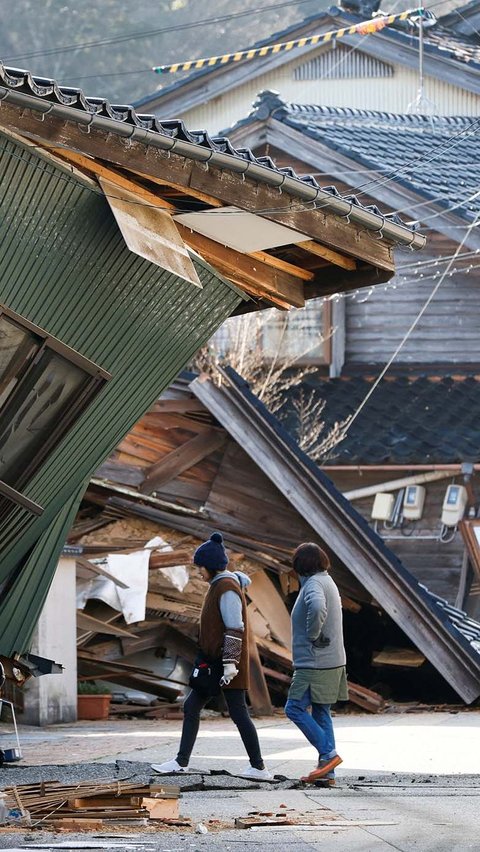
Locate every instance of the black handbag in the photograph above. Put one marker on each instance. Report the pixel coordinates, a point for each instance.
(205, 677)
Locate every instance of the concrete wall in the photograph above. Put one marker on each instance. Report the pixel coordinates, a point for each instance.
(53, 698)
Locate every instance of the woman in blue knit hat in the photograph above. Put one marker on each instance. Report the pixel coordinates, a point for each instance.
(223, 639)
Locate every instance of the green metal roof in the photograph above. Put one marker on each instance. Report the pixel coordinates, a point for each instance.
(65, 267)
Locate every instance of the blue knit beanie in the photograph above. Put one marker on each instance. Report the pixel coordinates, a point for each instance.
(211, 555)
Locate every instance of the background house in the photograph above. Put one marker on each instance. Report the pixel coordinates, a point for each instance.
(378, 71)
(423, 415)
(340, 115)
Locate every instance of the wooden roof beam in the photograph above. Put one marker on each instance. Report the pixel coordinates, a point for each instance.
(334, 257)
(228, 187)
(182, 458)
(246, 275)
(98, 170)
(268, 281)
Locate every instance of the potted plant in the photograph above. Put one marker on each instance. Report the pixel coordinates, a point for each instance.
(93, 701)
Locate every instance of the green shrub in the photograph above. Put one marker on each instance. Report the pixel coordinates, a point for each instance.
(88, 687)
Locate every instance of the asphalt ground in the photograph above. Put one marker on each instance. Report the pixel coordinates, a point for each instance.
(408, 782)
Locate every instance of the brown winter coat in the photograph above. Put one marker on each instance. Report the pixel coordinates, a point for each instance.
(212, 629)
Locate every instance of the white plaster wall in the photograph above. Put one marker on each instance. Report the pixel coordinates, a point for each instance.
(51, 699)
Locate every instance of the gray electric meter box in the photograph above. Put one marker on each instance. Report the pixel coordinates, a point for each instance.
(454, 504)
(413, 502)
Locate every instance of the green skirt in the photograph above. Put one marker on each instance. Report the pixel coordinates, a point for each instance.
(327, 686)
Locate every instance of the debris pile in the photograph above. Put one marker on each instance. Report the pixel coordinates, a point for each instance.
(205, 458)
(90, 806)
(153, 656)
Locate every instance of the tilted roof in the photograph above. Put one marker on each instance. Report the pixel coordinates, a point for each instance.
(408, 420)
(48, 97)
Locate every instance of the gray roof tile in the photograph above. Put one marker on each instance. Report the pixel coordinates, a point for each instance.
(448, 146)
(408, 420)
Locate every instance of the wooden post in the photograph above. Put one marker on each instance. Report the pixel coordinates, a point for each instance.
(258, 693)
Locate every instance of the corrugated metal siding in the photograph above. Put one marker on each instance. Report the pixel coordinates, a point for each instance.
(447, 332)
(64, 266)
(342, 64)
(432, 563)
(388, 94)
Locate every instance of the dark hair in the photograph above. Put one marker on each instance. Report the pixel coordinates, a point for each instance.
(310, 559)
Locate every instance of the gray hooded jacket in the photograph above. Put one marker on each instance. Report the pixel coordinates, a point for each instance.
(316, 618)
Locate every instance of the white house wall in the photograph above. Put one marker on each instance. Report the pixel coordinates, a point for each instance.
(387, 94)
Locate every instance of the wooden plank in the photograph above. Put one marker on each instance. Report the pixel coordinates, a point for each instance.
(280, 676)
(283, 265)
(334, 257)
(170, 559)
(88, 622)
(99, 571)
(269, 602)
(404, 657)
(271, 282)
(160, 808)
(74, 823)
(94, 167)
(182, 458)
(276, 652)
(258, 692)
(365, 698)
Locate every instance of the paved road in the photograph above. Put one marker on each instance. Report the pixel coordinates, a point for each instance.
(408, 783)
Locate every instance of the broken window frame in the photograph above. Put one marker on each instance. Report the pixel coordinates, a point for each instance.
(26, 367)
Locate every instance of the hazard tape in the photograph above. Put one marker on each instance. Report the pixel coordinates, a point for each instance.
(364, 28)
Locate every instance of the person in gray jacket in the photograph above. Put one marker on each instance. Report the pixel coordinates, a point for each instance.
(319, 677)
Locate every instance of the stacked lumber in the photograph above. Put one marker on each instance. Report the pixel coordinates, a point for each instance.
(89, 805)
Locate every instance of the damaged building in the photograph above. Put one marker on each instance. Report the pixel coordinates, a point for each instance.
(113, 272)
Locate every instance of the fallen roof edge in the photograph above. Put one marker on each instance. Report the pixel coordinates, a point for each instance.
(138, 132)
(422, 605)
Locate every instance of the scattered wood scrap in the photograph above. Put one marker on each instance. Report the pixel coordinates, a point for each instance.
(92, 806)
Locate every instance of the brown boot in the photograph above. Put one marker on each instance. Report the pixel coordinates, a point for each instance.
(323, 768)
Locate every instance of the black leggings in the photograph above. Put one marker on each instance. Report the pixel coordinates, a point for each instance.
(237, 707)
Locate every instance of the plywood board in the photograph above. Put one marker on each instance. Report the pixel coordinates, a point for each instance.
(149, 231)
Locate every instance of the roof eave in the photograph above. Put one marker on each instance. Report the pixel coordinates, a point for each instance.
(390, 231)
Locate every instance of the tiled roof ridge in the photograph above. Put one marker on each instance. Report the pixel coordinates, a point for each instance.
(405, 119)
(434, 378)
(269, 103)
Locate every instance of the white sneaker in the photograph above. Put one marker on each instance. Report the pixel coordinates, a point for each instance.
(170, 767)
(257, 774)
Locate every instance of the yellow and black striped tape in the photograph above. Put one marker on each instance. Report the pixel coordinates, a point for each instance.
(363, 28)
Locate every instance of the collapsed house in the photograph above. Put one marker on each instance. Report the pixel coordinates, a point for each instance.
(209, 455)
(114, 227)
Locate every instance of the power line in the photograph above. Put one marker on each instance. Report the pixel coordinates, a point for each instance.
(372, 25)
(121, 39)
(436, 198)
